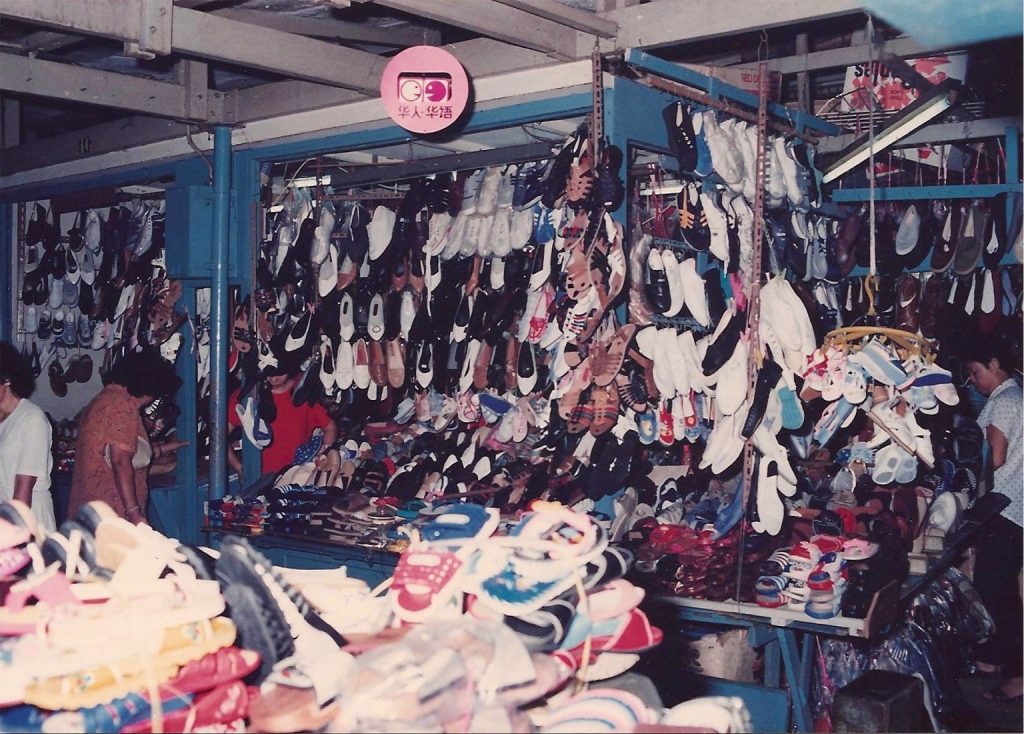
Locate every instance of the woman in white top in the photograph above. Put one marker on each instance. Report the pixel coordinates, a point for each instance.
(25, 436)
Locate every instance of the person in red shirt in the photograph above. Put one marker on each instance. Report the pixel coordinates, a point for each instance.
(292, 427)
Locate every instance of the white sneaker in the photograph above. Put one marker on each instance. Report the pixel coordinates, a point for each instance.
(675, 286)
(487, 197)
(694, 291)
(717, 226)
(437, 233)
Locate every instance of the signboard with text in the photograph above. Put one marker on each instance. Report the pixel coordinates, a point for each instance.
(424, 89)
(890, 92)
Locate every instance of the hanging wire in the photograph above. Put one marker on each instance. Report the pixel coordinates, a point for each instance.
(871, 146)
(201, 154)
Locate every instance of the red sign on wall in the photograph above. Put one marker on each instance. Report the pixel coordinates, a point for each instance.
(424, 89)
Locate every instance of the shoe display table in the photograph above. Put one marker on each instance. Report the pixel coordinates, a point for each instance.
(786, 636)
(371, 565)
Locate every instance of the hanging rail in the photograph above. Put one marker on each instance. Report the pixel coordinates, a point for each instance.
(721, 95)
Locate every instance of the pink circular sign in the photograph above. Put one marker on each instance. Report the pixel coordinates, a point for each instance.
(424, 89)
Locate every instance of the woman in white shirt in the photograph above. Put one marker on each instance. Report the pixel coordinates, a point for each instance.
(1000, 544)
(25, 436)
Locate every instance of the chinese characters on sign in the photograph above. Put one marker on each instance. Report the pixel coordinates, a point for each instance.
(424, 89)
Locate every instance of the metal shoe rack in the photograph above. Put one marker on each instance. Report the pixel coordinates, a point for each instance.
(787, 638)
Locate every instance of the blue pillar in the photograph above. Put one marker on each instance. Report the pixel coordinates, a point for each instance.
(219, 339)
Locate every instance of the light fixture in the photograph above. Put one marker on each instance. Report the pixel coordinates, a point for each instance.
(926, 107)
(308, 182)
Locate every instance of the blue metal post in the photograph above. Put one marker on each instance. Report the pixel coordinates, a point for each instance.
(219, 312)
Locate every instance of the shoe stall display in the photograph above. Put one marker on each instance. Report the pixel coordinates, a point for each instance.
(524, 413)
(224, 640)
(467, 318)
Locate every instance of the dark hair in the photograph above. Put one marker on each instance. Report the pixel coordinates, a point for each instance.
(144, 373)
(985, 348)
(16, 370)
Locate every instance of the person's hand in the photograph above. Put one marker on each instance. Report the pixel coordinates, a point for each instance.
(134, 515)
(172, 444)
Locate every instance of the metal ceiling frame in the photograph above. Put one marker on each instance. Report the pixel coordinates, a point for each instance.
(327, 79)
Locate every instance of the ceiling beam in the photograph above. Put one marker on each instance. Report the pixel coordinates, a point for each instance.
(425, 166)
(103, 138)
(200, 34)
(480, 56)
(26, 75)
(45, 41)
(207, 36)
(664, 22)
(496, 20)
(335, 30)
(851, 55)
(581, 20)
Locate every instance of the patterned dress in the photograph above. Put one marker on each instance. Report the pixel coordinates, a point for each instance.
(111, 419)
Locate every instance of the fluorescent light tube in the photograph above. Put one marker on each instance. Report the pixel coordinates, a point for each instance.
(920, 112)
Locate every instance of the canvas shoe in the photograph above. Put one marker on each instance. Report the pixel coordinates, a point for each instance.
(725, 159)
(56, 297)
(908, 231)
(470, 190)
(85, 329)
(776, 191)
(31, 321)
(746, 140)
(681, 136)
(70, 293)
(663, 375)
(694, 294)
(677, 365)
(730, 130)
(675, 285)
(69, 337)
(693, 223)
(731, 380)
(717, 226)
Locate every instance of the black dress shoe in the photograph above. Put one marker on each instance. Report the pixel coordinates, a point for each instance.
(721, 349)
(656, 288)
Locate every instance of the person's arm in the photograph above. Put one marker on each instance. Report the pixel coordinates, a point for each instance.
(23, 484)
(998, 444)
(124, 482)
(234, 462)
(162, 448)
(330, 434)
